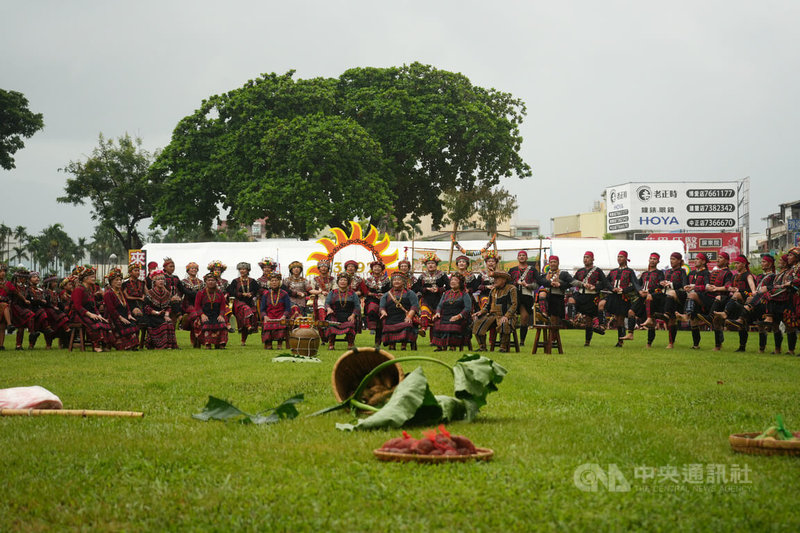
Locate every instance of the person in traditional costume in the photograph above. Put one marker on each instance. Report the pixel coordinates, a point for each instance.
(743, 284)
(118, 313)
(134, 289)
(157, 315)
(524, 276)
(210, 327)
(297, 287)
(191, 285)
(499, 313)
(356, 281)
(781, 306)
(344, 311)
(651, 297)
(404, 266)
(175, 287)
(59, 321)
(21, 314)
(152, 266)
(376, 284)
(452, 317)
(399, 308)
(217, 267)
(429, 287)
(675, 279)
(84, 310)
(244, 291)
(67, 285)
(697, 301)
(276, 307)
(321, 285)
(268, 266)
(6, 290)
(622, 286)
(553, 286)
(490, 260)
(755, 307)
(588, 284)
(38, 304)
(472, 280)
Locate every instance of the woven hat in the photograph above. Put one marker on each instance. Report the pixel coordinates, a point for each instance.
(501, 274)
(192, 265)
(351, 262)
(295, 264)
(243, 265)
(267, 261)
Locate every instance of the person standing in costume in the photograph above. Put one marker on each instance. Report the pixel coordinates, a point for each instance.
(499, 312)
(157, 312)
(376, 284)
(429, 287)
(175, 288)
(84, 309)
(651, 297)
(321, 285)
(743, 284)
(622, 286)
(452, 316)
(404, 266)
(344, 311)
(484, 287)
(781, 305)
(675, 280)
(191, 286)
(697, 301)
(524, 276)
(588, 282)
(268, 266)
(217, 267)
(297, 287)
(118, 313)
(276, 306)
(244, 291)
(718, 290)
(134, 289)
(399, 308)
(552, 291)
(210, 327)
(755, 307)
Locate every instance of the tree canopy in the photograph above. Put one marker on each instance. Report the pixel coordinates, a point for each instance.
(16, 122)
(116, 180)
(305, 154)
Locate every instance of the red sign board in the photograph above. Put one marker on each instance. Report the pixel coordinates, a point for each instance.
(708, 243)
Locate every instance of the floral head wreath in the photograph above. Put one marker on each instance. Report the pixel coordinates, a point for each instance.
(167, 260)
(115, 272)
(86, 272)
(65, 281)
(430, 256)
(492, 254)
(217, 264)
(132, 267)
(192, 265)
(156, 273)
(267, 261)
(323, 263)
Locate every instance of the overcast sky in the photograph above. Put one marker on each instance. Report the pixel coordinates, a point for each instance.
(616, 91)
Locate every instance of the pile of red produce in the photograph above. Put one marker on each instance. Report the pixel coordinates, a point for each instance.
(433, 443)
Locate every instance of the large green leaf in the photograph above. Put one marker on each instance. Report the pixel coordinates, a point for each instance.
(412, 402)
(453, 408)
(217, 409)
(475, 377)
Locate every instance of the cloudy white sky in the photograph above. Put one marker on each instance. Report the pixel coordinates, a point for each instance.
(616, 91)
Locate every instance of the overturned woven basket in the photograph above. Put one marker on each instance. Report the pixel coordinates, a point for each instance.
(746, 443)
(355, 364)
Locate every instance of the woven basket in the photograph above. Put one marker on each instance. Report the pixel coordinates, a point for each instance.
(746, 443)
(355, 364)
(483, 454)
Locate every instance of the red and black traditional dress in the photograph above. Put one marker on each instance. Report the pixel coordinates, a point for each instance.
(429, 287)
(550, 298)
(398, 304)
(134, 290)
(275, 309)
(586, 299)
(699, 278)
(126, 335)
(160, 331)
(676, 278)
(297, 288)
(720, 277)
(38, 304)
(522, 277)
(244, 293)
(83, 303)
(191, 288)
(374, 289)
(446, 332)
(59, 320)
(623, 278)
(342, 304)
(213, 305)
(174, 286)
(650, 282)
(324, 284)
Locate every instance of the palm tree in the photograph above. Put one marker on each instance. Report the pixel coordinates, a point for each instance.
(5, 233)
(19, 253)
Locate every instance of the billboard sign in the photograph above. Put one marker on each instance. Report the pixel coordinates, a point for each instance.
(672, 206)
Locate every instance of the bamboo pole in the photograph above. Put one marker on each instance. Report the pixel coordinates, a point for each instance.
(69, 412)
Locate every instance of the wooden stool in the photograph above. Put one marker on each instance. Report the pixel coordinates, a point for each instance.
(76, 327)
(551, 337)
(513, 341)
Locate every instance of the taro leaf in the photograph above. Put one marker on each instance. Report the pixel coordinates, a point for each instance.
(412, 402)
(475, 377)
(452, 408)
(217, 409)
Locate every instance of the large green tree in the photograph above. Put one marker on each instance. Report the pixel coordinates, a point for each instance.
(116, 180)
(16, 122)
(305, 154)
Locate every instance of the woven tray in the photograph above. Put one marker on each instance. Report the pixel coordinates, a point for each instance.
(745, 443)
(484, 454)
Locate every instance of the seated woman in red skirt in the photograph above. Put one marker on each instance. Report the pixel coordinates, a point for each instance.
(452, 315)
(126, 332)
(275, 309)
(210, 311)
(244, 290)
(399, 308)
(344, 311)
(160, 323)
(84, 310)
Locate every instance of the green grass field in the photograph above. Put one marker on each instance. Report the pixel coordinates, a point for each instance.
(649, 412)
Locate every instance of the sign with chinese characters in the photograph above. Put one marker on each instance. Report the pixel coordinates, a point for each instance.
(708, 243)
(138, 257)
(672, 206)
